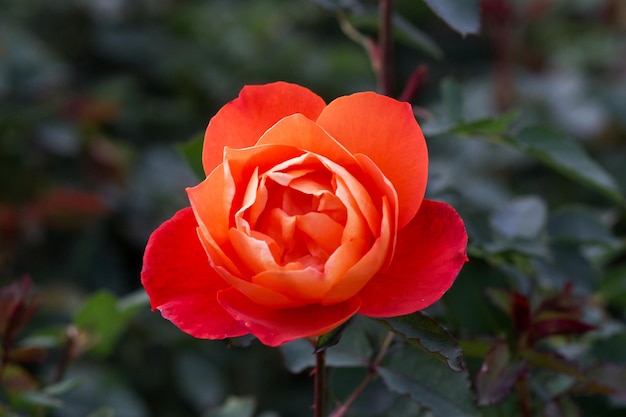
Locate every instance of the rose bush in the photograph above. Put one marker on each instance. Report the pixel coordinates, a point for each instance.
(309, 214)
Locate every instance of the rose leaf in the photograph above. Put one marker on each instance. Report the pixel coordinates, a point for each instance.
(192, 152)
(560, 152)
(421, 331)
(429, 382)
(461, 15)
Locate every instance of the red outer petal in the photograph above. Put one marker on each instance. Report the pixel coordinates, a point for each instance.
(181, 284)
(430, 252)
(243, 121)
(274, 327)
(385, 130)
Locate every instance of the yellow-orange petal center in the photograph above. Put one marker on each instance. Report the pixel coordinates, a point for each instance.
(297, 227)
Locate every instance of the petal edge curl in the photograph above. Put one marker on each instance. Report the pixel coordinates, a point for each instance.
(241, 122)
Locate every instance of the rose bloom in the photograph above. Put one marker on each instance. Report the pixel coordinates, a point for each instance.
(310, 213)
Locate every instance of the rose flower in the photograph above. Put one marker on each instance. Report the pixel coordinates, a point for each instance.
(310, 213)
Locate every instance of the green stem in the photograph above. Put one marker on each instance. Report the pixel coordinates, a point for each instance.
(319, 390)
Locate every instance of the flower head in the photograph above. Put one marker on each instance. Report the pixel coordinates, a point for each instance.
(309, 214)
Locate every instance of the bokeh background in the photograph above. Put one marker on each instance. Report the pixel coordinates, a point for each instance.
(99, 97)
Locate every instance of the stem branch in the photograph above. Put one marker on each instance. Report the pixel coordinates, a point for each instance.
(385, 44)
(343, 408)
(523, 393)
(320, 384)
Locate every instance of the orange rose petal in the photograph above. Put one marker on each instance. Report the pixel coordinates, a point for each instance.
(258, 255)
(356, 226)
(180, 282)
(241, 122)
(289, 177)
(383, 184)
(302, 133)
(346, 255)
(260, 202)
(249, 198)
(305, 285)
(430, 252)
(352, 193)
(218, 255)
(323, 231)
(386, 131)
(280, 227)
(310, 184)
(255, 293)
(243, 162)
(332, 206)
(360, 273)
(294, 202)
(210, 201)
(274, 327)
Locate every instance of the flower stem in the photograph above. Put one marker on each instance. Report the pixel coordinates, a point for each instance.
(319, 390)
(385, 45)
(523, 393)
(343, 408)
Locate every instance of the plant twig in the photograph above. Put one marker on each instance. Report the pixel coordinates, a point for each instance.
(523, 394)
(319, 390)
(343, 408)
(385, 45)
(366, 42)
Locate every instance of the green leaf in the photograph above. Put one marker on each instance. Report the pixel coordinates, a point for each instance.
(452, 99)
(134, 302)
(103, 318)
(407, 33)
(425, 333)
(492, 126)
(61, 388)
(549, 361)
(520, 218)
(429, 382)
(102, 412)
(461, 15)
(612, 349)
(613, 288)
(41, 399)
(234, 407)
(567, 264)
(566, 156)
(192, 151)
(199, 380)
(331, 338)
(503, 299)
(297, 355)
(578, 224)
(465, 302)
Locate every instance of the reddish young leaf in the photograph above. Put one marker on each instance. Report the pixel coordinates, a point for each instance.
(497, 374)
(551, 327)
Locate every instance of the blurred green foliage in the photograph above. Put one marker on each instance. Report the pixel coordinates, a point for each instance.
(526, 126)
